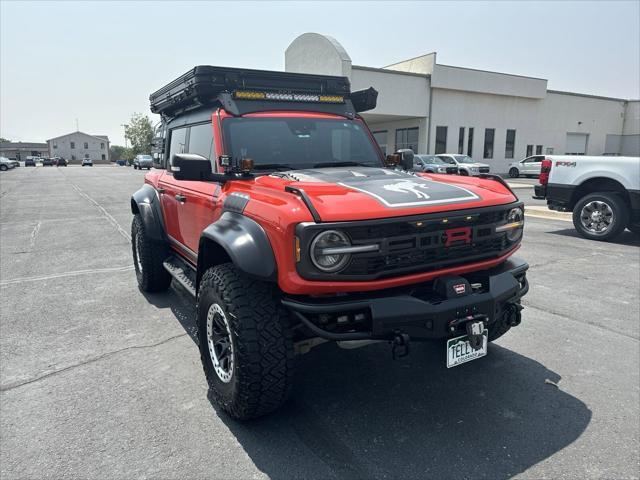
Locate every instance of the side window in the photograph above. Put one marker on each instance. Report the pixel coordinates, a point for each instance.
(201, 140)
(177, 142)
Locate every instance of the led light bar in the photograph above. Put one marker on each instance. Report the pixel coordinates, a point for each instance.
(287, 97)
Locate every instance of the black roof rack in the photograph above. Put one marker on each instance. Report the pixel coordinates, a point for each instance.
(263, 90)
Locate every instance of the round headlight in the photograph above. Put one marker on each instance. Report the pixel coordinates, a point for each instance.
(323, 254)
(515, 215)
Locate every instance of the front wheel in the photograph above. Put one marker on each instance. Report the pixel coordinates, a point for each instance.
(514, 173)
(4, 168)
(245, 342)
(600, 216)
(464, 173)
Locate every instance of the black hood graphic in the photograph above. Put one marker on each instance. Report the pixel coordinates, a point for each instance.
(392, 188)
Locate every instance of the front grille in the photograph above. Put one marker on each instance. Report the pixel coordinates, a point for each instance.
(419, 243)
(484, 169)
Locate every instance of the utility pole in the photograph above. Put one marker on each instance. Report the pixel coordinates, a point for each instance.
(125, 133)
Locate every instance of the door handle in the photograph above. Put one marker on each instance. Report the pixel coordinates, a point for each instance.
(180, 198)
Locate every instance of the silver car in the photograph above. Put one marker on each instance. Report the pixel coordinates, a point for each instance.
(466, 165)
(143, 161)
(432, 164)
(6, 164)
(530, 166)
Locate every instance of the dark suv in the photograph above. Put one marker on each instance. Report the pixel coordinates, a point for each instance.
(276, 209)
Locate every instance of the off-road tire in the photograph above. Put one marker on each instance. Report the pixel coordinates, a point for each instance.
(152, 277)
(261, 340)
(620, 215)
(514, 172)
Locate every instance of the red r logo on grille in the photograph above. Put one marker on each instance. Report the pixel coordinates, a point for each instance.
(462, 234)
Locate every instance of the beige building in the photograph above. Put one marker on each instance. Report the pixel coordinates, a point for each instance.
(77, 146)
(496, 118)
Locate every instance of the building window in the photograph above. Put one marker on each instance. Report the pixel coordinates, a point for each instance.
(529, 150)
(407, 138)
(461, 141)
(102, 146)
(104, 157)
(470, 142)
(86, 146)
(510, 145)
(489, 134)
(73, 145)
(55, 145)
(538, 149)
(441, 140)
(381, 140)
(549, 151)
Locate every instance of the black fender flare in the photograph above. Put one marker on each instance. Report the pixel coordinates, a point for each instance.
(146, 202)
(237, 238)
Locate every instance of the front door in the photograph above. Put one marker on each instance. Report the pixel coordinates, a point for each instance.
(170, 194)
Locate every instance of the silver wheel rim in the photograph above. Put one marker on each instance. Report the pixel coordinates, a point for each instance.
(597, 217)
(137, 247)
(220, 343)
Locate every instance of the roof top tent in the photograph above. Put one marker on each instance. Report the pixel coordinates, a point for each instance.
(241, 91)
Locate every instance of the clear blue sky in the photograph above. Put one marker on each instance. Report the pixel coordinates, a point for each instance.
(98, 61)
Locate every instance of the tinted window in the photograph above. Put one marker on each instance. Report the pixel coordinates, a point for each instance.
(461, 140)
(510, 144)
(470, 142)
(447, 160)
(201, 140)
(441, 139)
(489, 134)
(299, 142)
(407, 138)
(529, 150)
(178, 141)
(381, 138)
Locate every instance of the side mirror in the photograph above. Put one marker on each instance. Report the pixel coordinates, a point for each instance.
(406, 158)
(190, 166)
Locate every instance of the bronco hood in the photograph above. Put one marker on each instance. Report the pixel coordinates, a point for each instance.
(352, 193)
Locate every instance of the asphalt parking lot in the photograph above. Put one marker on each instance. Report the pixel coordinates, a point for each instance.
(100, 381)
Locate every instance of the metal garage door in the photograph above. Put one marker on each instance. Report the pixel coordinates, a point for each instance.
(576, 143)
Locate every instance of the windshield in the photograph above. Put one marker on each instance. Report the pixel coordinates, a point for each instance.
(280, 143)
(145, 157)
(464, 159)
(430, 159)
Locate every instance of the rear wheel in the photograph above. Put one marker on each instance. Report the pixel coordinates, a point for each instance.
(148, 258)
(245, 343)
(4, 168)
(600, 216)
(514, 172)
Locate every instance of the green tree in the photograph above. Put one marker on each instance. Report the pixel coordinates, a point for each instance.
(4, 140)
(118, 152)
(139, 132)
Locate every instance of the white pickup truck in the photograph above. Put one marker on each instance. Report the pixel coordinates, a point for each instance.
(602, 192)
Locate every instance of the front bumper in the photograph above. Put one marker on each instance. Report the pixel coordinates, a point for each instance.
(417, 310)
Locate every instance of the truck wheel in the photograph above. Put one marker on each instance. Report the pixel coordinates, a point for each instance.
(464, 173)
(148, 257)
(245, 343)
(600, 216)
(514, 172)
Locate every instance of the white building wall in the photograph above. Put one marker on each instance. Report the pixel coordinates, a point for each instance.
(97, 147)
(543, 122)
(630, 140)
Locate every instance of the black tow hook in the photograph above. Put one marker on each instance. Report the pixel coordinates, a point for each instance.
(399, 345)
(475, 334)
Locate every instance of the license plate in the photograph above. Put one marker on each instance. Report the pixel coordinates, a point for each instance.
(459, 351)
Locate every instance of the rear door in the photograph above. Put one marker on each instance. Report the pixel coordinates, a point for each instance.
(169, 188)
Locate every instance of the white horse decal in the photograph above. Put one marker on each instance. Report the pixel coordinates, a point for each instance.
(409, 186)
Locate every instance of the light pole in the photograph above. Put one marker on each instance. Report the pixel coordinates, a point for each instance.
(125, 133)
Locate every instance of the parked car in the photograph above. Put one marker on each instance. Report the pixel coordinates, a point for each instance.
(432, 164)
(61, 162)
(87, 162)
(15, 162)
(529, 167)
(47, 162)
(143, 161)
(466, 165)
(6, 164)
(30, 161)
(602, 192)
(307, 241)
(121, 163)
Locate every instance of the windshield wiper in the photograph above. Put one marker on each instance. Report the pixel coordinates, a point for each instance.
(340, 164)
(273, 166)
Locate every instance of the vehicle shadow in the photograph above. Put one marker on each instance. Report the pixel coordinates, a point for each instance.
(625, 238)
(359, 414)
